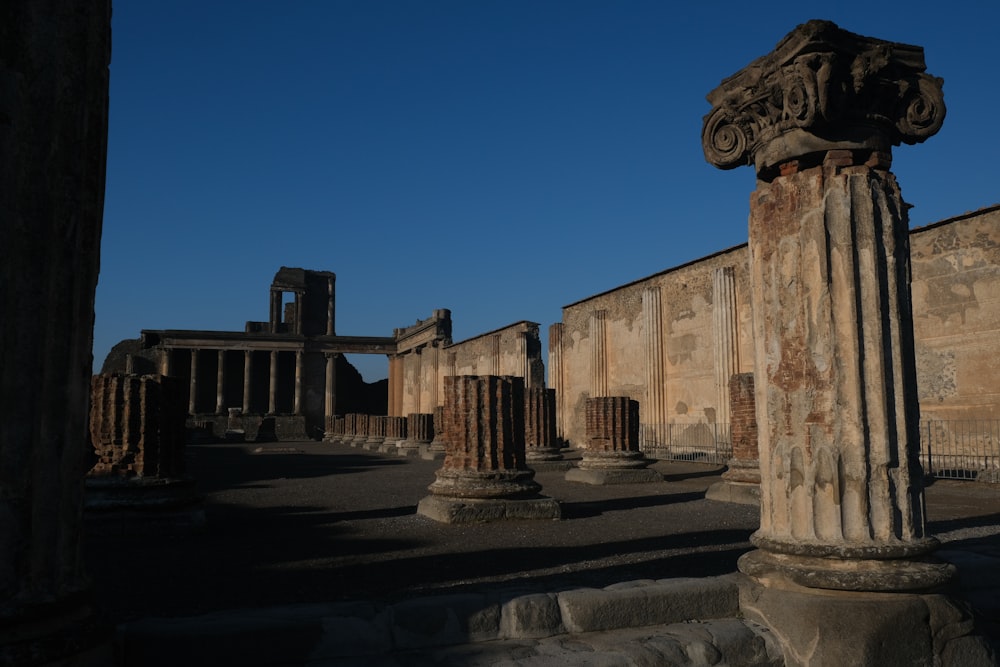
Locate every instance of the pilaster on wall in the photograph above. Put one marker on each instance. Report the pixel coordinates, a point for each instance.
(556, 377)
(725, 336)
(599, 354)
(494, 359)
(655, 408)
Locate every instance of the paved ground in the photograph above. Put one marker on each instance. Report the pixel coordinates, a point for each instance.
(313, 522)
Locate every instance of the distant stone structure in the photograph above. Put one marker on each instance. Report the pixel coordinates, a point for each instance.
(612, 455)
(540, 441)
(836, 383)
(484, 476)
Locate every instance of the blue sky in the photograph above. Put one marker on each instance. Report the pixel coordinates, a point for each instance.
(499, 158)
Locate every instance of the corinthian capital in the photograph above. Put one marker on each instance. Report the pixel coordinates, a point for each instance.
(821, 89)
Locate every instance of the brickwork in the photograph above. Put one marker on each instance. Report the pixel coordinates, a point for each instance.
(612, 424)
(395, 428)
(540, 440)
(743, 416)
(484, 423)
(137, 426)
(420, 427)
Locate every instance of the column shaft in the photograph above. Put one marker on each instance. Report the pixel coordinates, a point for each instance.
(272, 387)
(247, 380)
(220, 399)
(193, 390)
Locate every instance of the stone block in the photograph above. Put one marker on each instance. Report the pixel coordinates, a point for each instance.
(473, 510)
(444, 620)
(732, 492)
(530, 617)
(601, 476)
(666, 601)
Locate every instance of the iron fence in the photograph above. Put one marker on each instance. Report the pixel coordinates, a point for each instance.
(953, 449)
(961, 448)
(702, 442)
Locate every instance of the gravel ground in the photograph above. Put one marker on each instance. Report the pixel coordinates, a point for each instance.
(314, 522)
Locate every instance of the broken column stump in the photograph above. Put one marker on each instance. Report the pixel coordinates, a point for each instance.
(540, 441)
(436, 449)
(395, 432)
(612, 455)
(842, 572)
(419, 433)
(484, 476)
(741, 481)
(376, 433)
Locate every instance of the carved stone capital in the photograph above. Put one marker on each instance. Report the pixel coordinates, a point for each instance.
(822, 89)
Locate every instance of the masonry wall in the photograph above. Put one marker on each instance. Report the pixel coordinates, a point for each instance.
(652, 340)
(662, 340)
(956, 316)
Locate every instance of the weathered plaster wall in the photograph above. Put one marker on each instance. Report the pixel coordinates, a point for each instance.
(956, 307)
(676, 334)
(956, 316)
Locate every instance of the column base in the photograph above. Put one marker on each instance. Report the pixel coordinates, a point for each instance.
(734, 492)
(848, 574)
(481, 485)
(535, 454)
(476, 510)
(823, 628)
(602, 476)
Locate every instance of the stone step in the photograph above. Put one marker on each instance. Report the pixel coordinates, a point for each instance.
(686, 617)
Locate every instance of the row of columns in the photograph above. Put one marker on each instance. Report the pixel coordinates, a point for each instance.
(220, 407)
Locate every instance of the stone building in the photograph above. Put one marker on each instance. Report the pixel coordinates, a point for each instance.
(287, 377)
(672, 340)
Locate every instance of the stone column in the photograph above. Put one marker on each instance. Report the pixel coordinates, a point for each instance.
(297, 401)
(220, 399)
(429, 377)
(540, 442)
(297, 326)
(275, 310)
(726, 337)
(655, 407)
(395, 432)
(330, 393)
(612, 455)
(376, 433)
(53, 143)
(419, 433)
(557, 378)
(166, 361)
(247, 380)
(437, 448)
(741, 481)
(193, 388)
(841, 488)
(484, 476)
(272, 385)
(598, 354)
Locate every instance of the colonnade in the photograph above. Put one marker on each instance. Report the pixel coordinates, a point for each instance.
(168, 363)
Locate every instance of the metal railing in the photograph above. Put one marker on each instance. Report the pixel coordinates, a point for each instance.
(952, 449)
(961, 448)
(701, 442)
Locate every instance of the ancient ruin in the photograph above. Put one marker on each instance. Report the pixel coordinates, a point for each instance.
(841, 484)
(540, 441)
(612, 454)
(484, 476)
(741, 480)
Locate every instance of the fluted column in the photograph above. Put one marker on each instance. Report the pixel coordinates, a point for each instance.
(484, 476)
(193, 387)
(272, 385)
(429, 377)
(495, 365)
(841, 487)
(275, 310)
(247, 380)
(725, 336)
(53, 148)
(655, 407)
(598, 354)
(612, 455)
(540, 440)
(330, 306)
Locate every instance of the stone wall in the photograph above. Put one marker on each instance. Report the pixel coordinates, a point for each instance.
(668, 340)
(956, 316)
(654, 341)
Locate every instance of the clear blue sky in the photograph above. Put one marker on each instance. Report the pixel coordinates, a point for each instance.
(500, 158)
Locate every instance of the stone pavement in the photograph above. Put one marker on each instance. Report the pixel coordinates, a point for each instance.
(313, 554)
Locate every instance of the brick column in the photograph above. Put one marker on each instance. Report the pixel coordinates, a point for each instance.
(612, 455)
(193, 387)
(484, 476)
(247, 380)
(540, 440)
(436, 449)
(419, 433)
(272, 385)
(741, 480)
(220, 382)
